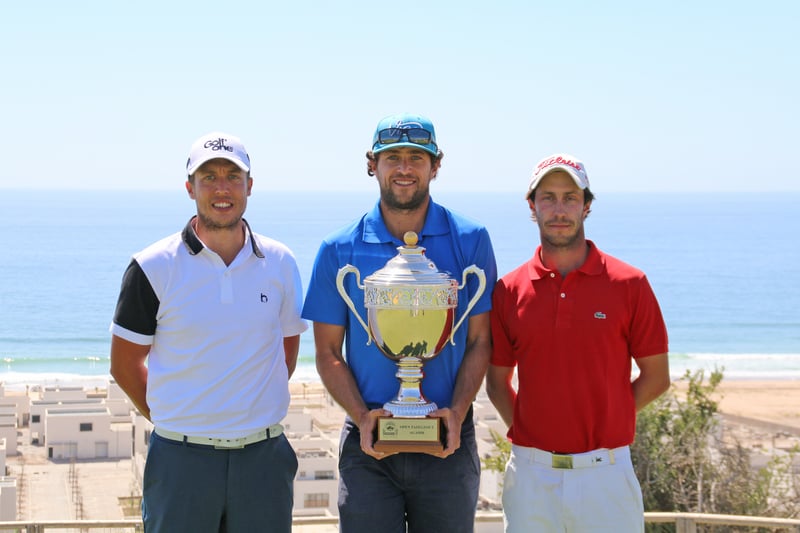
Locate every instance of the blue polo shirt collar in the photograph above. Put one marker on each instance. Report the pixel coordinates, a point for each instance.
(195, 245)
(375, 230)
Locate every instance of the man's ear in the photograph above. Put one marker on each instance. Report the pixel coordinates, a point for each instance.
(190, 189)
(436, 166)
(532, 207)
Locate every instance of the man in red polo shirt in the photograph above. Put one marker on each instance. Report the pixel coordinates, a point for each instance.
(571, 320)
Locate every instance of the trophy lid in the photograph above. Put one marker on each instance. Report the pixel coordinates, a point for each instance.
(409, 267)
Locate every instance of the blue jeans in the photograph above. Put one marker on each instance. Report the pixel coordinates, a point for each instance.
(194, 488)
(415, 490)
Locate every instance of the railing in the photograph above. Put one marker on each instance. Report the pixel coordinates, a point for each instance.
(684, 523)
(41, 526)
(688, 522)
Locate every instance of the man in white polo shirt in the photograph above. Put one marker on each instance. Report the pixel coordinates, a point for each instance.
(204, 338)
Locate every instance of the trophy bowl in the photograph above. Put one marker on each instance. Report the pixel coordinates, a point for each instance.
(410, 316)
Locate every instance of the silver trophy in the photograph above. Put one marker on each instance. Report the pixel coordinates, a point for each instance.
(410, 315)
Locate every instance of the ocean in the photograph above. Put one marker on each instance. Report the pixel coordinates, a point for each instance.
(725, 267)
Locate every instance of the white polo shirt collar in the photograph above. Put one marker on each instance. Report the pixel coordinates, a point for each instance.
(194, 245)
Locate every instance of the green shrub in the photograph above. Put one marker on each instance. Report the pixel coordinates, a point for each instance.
(684, 466)
(497, 462)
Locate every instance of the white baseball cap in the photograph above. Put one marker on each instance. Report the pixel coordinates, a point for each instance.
(565, 162)
(217, 145)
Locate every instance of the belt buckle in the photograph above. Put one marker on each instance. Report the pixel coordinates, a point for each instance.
(561, 461)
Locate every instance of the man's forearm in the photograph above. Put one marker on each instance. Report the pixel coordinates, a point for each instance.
(473, 367)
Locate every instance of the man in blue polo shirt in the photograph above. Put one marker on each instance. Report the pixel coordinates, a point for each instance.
(381, 491)
(205, 336)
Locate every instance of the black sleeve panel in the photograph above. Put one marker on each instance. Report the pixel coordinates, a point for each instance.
(137, 306)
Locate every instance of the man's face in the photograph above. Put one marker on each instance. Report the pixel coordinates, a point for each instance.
(404, 175)
(220, 190)
(559, 210)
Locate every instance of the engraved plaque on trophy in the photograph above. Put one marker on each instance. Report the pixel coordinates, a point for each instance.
(410, 316)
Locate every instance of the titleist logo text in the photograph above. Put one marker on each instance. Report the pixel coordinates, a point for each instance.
(557, 161)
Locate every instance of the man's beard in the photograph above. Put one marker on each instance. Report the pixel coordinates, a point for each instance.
(391, 201)
(562, 240)
(567, 241)
(212, 225)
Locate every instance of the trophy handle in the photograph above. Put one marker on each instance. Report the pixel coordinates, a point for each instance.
(472, 269)
(343, 293)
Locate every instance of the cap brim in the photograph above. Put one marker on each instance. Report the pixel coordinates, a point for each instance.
(430, 148)
(564, 168)
(238, 162)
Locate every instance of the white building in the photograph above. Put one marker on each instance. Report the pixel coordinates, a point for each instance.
(8, 431)
(39, 409)
(8, 499)
(85, 433)
(118, 403)
(62, 393)
(8, 489)
(312, 425)
(18, 404)
(316, 483)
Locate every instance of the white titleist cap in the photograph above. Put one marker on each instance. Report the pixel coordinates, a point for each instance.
(565, 162)
(217, 145)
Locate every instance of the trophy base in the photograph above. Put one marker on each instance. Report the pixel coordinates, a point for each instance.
(415, 435)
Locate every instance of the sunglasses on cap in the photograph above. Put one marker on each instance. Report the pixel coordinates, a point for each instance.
(413, 135)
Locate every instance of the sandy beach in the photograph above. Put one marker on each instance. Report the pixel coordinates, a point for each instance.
(762, 415)
(774, 402)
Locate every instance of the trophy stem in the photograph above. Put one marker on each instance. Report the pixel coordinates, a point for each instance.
(410, 402)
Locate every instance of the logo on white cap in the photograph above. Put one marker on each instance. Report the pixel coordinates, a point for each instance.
(569, 164)
(217, 145)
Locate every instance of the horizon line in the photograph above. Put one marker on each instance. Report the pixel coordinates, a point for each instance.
(442, 190)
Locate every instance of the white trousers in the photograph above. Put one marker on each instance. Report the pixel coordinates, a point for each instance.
(589, 492)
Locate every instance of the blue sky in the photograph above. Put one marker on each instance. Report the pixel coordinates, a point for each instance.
(668, 96)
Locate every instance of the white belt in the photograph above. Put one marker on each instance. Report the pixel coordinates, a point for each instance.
(600, 457)
(269, 433)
